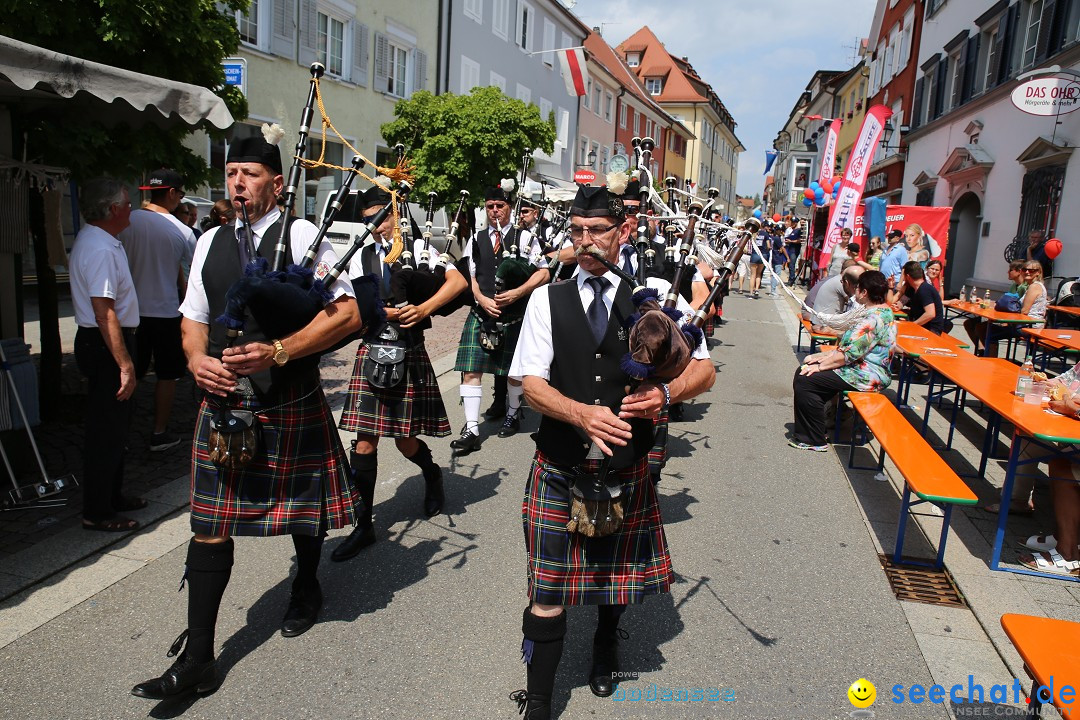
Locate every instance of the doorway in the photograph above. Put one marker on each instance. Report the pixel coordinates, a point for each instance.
(964, 225)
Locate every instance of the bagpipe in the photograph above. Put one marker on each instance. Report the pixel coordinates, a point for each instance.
(514, 270)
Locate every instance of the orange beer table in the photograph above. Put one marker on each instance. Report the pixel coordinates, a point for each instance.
(992, 316)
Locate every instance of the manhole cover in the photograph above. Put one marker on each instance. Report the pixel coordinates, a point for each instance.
(921, 584)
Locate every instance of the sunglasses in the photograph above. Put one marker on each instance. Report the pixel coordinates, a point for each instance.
(496, 206)
(1028, 271)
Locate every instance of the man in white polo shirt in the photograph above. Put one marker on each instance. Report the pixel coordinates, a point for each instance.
(107, 312)
(159, 246)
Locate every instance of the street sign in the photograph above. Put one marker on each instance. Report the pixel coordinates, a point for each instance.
(236, 72)
(619, 163)
(584, 177)
(1047, 96)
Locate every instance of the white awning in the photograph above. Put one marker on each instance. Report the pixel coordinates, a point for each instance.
(38, 78)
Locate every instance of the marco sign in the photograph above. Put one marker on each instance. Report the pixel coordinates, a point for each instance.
(1047, 96)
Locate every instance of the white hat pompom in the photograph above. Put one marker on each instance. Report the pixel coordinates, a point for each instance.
(616, 182)
(383, 182)
(508, 185)
(273, 133)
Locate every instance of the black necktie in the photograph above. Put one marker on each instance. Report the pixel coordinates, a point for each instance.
(598, 314)
(627, 253)
(241, 236)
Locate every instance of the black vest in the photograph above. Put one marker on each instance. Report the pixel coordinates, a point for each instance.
(485, 261)
(219, 272)
(590, 374)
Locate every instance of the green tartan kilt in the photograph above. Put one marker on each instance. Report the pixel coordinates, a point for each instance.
(471, 357)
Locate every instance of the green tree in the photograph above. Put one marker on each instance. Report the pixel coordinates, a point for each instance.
(467, 142)
(182, 40)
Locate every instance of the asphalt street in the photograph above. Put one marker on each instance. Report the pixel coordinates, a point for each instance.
(779, 596)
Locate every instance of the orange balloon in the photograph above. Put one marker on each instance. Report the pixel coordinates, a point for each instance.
(776, 217)
(827, 186)
(1053, 248)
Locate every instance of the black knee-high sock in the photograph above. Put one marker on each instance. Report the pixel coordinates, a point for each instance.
(365, 474)
(607, 622)
(209, 566)
(422, 459)
(541, 650)
(500, 390)
(308, 553)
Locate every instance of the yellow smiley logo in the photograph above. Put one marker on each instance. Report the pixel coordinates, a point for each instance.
(862, 693)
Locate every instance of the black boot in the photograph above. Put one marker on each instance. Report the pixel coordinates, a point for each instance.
(433, 490)
(209, 567)
(306, 600)
(541, 650)
(497, 411)
(365, 473)
(605, 664)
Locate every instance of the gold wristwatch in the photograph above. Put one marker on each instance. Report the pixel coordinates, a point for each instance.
(281, 355)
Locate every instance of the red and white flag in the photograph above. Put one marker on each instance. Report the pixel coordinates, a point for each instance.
(828, 158)
(573, 70)
(846, 207)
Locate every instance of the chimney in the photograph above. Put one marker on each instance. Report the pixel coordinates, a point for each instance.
(596, 29)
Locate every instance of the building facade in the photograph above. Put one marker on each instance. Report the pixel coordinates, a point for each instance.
(1003, 172)
(510, 44)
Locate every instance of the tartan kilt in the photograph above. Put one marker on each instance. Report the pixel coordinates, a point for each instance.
(414, 407)
(471, 357)
(658, 452)
(299, 483)
(570, 569)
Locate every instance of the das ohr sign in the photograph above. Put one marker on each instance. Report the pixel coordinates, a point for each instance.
(1047, 96)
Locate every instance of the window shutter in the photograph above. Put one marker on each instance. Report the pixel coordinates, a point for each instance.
(382, 62)
(1047, 43)
(1007, 39)
(360, 54)
(419, 70)
(916, 104)
(309, 40)
(970, 68)
(283, 37)
(939, 86)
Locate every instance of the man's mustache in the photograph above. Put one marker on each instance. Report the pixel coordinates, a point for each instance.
(589, 250)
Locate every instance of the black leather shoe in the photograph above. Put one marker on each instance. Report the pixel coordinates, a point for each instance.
(433, 494)
(510, 426)
(185, 676)
(604, 665)
(675, 412)
(361, 536)
(468, 442)
(533, 706)
(495, 412)
(303, 611)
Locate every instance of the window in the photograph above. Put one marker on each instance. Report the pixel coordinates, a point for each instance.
(609, 100)
(524, 94)
(648, 128)
(583, 152)
(594, 147)
(526, 18)
(637, 122)
(905, 38)
(956, 80)
(932, 6)
(622, 115)
(470, 74)
(475, 9)
(930, 91)
(545, 109)
(586, 99)
(654, 85)
(1040, 201)
(605, 155)
(500, 18)
(986, 67)
(563, 128)
(597, 92)
(331, 44)
(633, 59)
(247, 24)
(497, 80)
(1072, 25)
(1031, 33)
(398, 66)
(549, 43)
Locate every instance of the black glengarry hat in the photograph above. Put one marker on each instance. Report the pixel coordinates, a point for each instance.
(256, 149)
(597, 202)
(497, 192)
(374, 196)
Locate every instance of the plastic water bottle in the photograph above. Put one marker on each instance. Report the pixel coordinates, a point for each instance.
(974, 296)
(1023, 381)
(987, 303)
(963, 293)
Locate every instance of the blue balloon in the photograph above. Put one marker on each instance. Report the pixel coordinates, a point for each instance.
(757, 214)
(836, 190)
(814, 185)
(819, 194)
(807, 202)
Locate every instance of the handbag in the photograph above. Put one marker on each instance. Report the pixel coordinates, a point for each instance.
(597, 508)
(1009, 302)
(384, 365)
(234, 438)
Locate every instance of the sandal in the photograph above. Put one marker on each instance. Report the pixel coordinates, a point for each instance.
(116, 523)
(1040, 543)
(1056, 564)
(129, 503)
(995, 508)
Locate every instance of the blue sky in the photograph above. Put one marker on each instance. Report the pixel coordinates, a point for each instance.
(757, 55)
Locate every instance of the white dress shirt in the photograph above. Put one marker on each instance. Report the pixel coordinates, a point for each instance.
(535, 352)
(98, 267)
(301, 233)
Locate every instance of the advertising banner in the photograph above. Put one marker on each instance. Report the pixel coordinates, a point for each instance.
(828, 157)
(928, 238)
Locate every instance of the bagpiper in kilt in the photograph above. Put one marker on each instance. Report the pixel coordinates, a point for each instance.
(580, 390)
(295, 480)
(404, 409)
(492, 329)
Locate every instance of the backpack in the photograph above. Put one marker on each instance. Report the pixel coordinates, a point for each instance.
(1009, 302)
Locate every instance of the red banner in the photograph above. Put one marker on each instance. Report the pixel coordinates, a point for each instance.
(828, 156)
(926, 230)
(846, 206)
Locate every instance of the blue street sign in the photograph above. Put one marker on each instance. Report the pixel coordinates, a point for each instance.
(236, 73)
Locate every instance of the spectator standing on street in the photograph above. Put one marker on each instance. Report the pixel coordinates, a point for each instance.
(892, 262)
(1036, 250)
(159, 247)
(107, 313)
(759, 249)
(222, 213)
(779, 258)
(793, 240)
(188, 214)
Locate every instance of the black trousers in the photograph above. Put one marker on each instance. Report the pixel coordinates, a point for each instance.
(811, 394)
(107, 422)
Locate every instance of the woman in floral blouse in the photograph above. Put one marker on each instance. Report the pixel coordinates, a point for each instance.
(860, 362)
